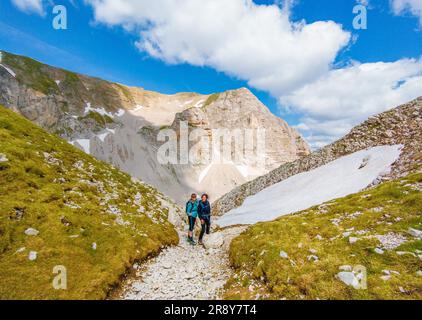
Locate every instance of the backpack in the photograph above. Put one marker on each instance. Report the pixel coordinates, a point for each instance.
(189, 211)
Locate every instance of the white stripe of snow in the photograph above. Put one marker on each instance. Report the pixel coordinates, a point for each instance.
(243, 169)
(9, 70)
(120, 113)
(138, 107)
(103, 111)
(204, 173)
(199, 104)
(85, 144)
(103, 136)
(335, 180)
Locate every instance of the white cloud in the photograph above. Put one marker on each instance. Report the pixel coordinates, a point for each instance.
(252, 42)
(260, 44)
(408, 6)
(30, 6)
(343, 98)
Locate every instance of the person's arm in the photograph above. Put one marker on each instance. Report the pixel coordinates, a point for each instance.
(199, 211)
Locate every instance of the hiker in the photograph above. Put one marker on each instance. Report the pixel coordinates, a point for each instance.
(192, 212)
(204, 213)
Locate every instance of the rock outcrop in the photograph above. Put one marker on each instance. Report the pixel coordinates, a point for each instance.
(120, 125)
(402, 125)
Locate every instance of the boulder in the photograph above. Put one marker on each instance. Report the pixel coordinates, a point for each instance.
(353, 240)
(348, 278)
(32, 256)
(379, 251)
(3, 158)
(415, 233)
(284, 255)
(31, 232)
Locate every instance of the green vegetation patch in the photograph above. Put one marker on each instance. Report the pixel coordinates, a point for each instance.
(71, 79)
(211, 99)
(91, 218)
(323, 240)
(102, 120)
(125, 91)
(31, 73)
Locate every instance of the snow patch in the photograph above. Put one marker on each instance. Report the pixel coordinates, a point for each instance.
(138, 107)
(85, 144)
(120, 113)
(10, 71)
(244, 170)
(103, 111)
(104, 135)
(199, 104)
(337, 179)
(204, 173)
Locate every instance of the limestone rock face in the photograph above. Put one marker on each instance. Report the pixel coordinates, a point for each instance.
(240, 109)
(122, 125)
(402, 125)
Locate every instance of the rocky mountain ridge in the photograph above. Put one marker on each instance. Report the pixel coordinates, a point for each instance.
(120, 124)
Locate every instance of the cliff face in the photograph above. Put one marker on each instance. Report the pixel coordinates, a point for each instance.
(120, 125)
(402, 125)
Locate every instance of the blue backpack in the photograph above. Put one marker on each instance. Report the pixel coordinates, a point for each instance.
(192, 209)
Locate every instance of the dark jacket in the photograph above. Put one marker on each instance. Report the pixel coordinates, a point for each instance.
(204, 209)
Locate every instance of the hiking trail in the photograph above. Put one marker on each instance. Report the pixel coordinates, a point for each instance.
(183, 272)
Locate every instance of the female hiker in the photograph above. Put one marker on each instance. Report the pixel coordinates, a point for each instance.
(204, 213)
(192, 212)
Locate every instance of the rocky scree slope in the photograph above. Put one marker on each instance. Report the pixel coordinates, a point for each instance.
(399, 126)
(62, 207)
(120, 124)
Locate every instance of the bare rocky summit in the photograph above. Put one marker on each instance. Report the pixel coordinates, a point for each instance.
(402, 125)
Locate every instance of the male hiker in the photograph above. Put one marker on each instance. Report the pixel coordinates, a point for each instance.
(192, 212)
(204, 213)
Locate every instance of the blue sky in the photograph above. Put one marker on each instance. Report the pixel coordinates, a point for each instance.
(100, 46)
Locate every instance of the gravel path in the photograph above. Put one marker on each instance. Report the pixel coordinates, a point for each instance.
(184, 272)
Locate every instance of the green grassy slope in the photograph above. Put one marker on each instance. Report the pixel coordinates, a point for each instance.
(324, 232)
(91, 218)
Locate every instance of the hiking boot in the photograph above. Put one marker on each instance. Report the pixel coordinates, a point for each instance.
(201, 243)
